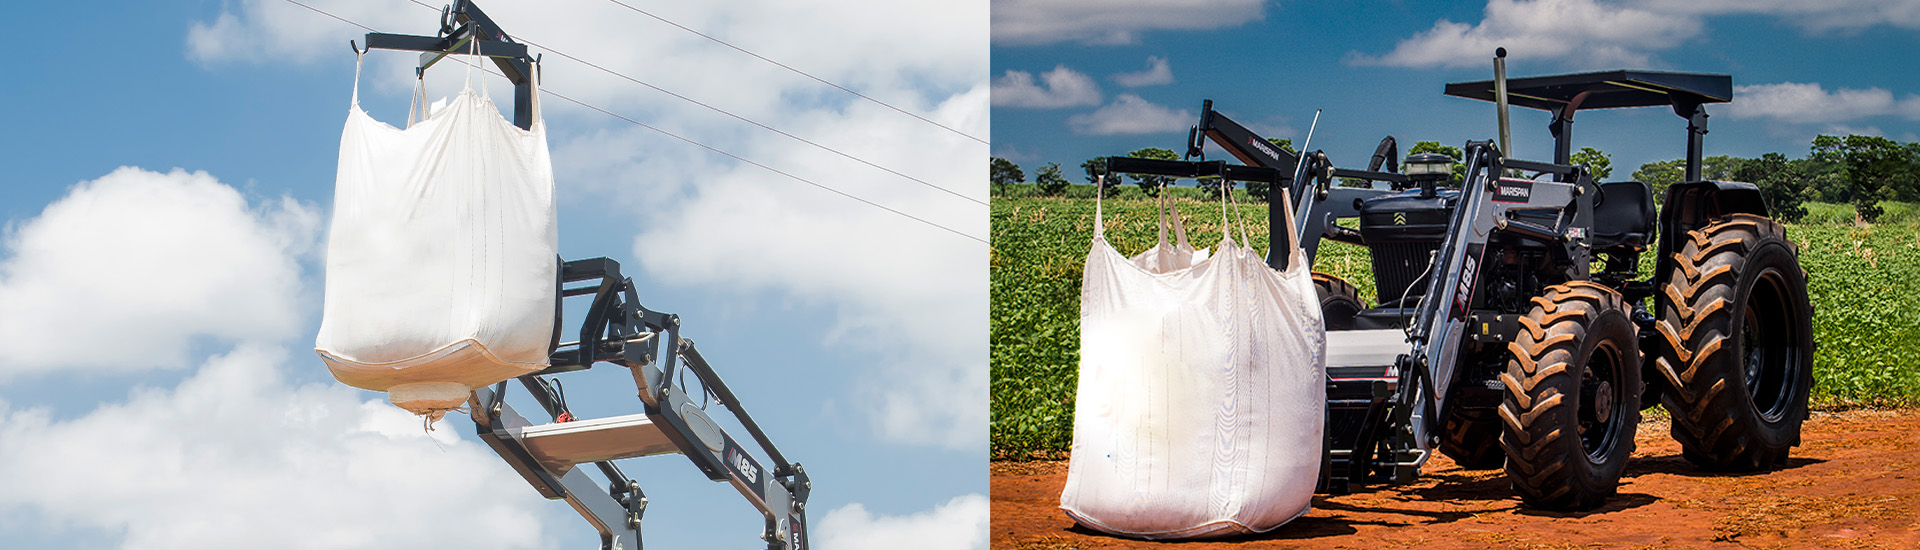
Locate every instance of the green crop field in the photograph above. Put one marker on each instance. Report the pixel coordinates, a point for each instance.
(1864, 284)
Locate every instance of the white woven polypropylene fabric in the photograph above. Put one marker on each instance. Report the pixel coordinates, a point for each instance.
(1166, 257)
(1199, 409)
(441, 254)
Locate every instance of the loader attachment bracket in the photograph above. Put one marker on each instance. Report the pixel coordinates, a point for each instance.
(466, 30)
(673, 419)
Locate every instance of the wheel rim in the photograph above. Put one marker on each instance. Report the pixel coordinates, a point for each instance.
(1770, 347)
(1600, 413)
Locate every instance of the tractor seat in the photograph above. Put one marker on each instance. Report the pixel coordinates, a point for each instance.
(1623, 215)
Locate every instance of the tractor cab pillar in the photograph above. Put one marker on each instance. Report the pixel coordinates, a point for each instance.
(1696, 115)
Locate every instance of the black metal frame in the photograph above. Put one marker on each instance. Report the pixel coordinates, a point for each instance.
(1563, 95)
(618, 330)
(461, 23)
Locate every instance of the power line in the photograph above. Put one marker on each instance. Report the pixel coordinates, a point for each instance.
(735, 117)
(798, 71)
(341, 19)
(551, 92)
(762, 166)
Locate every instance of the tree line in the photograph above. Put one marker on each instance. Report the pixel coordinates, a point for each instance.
(1051, 182)
(1858, 170)
(1855, 169)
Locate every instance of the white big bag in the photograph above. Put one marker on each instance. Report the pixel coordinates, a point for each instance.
(1164, 257)
(1202, 388)
(441, 258)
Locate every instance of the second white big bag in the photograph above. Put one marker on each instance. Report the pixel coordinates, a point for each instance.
(441, 258)
(1201, 395)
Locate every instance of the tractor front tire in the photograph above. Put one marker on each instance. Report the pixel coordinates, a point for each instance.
(1736, 345)
(1339, 301)
(1571, 399)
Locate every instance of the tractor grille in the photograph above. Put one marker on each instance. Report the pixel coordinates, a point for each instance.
(1399, 265)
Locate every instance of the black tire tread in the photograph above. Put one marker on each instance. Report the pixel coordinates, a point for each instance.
(1542, 354)
(1471, 437)
(1696, 338)
(1332, 290)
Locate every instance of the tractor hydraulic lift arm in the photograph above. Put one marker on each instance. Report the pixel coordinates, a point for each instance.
(1487, 205)
(618, 330)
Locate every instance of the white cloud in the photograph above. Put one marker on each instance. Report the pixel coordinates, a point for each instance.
(1825, 15)
(911, 294)
(1809, 102)
(1586, 33)
(1129, 114)
(1274, 127)
(1063, 87)
(1010, 152)
(1613, 34)
(259, 30)
(235, 457)
(1158, 72)
(1027, 22)
(1844, 130)
(959, 524)
(148, 262)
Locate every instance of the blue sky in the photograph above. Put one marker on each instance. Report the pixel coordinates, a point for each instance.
(170, 180)
(1076, 80)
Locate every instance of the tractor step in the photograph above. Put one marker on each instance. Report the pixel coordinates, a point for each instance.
(1365, 348)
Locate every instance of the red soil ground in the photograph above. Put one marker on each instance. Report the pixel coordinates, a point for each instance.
(1853, 483)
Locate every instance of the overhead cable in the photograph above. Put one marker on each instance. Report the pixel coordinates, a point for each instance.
(525, 40)
(798, 71)
(549, 91)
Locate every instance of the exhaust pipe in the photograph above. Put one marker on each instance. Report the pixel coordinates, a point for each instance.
(1500, 99)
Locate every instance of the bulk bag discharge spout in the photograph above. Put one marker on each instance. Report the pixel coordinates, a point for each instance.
(441, 257)
(1202, 391)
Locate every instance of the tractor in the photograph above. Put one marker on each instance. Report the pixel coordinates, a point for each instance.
(1512, 327)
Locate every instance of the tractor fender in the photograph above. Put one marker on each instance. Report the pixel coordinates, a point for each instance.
(1692, 205)
(1697, 201)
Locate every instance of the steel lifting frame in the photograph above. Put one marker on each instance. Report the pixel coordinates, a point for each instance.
(464, 29)
(618, 330)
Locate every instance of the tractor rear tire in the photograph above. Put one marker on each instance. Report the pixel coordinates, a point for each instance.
(1572, 396)
(1339, 301)
(1736, 345)
(1471, 437)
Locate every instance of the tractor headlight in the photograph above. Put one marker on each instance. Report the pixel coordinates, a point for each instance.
(1429, 164)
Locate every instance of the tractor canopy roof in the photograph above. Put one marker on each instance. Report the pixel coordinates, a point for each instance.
(1606, 90)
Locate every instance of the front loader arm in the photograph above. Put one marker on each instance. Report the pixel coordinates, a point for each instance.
(1240, 142)
(1315, 206)
(1486, 206)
